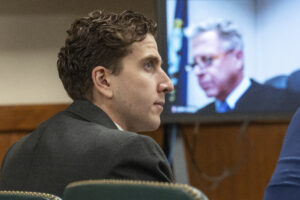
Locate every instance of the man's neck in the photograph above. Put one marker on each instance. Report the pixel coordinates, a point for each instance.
(222, 97)
(238, 92)
(107, 109)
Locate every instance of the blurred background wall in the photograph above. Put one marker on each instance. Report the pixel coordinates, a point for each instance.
(31, 34)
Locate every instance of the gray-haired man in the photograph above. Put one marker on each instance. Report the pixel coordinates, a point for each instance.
(217, 50)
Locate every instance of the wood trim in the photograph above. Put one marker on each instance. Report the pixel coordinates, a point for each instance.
(248, 157)
(26, 117)
(17, 121)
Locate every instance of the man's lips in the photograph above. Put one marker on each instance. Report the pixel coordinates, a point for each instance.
(205, 85)
(159, 104)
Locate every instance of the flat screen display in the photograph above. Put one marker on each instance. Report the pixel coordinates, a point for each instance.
(230, 59)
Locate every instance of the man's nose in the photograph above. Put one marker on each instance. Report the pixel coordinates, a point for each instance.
(199, 69)
(165, 84)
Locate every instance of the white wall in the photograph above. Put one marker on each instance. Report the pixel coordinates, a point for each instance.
(278, 39)
(31, 34)
(28, 54)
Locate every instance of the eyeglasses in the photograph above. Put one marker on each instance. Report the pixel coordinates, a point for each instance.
(207, 61)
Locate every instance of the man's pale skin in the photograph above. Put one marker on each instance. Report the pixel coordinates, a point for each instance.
(134, 98)
(225, 72)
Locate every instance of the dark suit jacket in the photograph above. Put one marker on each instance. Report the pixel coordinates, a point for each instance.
(262, 98)
(285, 182)
(80, 143)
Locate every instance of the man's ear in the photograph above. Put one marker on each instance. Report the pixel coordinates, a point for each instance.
(239, 54)
(239, 58)
(102, 79)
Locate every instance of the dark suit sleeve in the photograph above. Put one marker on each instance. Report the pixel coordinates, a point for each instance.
(208, 109)
(140, 158)
(285, 182)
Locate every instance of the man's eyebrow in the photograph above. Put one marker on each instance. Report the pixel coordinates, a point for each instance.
(155, 59)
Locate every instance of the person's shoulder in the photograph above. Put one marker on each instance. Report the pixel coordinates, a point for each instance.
(259, 87)
(258, 92)
(116, 136)
(282, 182)
(264, 98)
(287, 96)
(263, 88)
(294, 127)
(82, 133)
(209, 108)
(141, 158)
(130, 140)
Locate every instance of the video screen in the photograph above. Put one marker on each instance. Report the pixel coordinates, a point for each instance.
(231, 56)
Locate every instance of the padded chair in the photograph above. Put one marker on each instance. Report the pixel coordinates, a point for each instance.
(129, 189)
(24, 195)
(279, 81)
(293, 81)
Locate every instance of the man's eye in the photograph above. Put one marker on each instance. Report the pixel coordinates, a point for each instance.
(148, 65)
(207, 60)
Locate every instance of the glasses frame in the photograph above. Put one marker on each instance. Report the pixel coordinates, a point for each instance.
(205, 62)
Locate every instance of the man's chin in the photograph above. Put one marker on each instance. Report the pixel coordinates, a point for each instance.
(151, 125)
(210, 94)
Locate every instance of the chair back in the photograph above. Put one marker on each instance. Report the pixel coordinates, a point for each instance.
(293, 81)
(130, 189)
(279, 81)
(25, 195)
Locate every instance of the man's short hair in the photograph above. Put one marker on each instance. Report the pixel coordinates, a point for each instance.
(227, 31)
(101, 39)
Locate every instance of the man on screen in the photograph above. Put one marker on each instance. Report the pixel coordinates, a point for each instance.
(217, 51)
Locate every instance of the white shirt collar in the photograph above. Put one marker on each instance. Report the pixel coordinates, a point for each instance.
(236, 94)
(119, 127)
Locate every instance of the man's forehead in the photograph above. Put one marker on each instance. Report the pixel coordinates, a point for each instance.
(207, 41)
(146, 48)
(148, 42)
(205, 37)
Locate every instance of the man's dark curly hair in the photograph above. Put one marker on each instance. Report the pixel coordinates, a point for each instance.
(101, 39)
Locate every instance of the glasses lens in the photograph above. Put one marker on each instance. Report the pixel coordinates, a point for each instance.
(207, 60)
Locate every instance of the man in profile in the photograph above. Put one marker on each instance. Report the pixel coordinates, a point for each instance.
(111, 68)
(217, 50)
